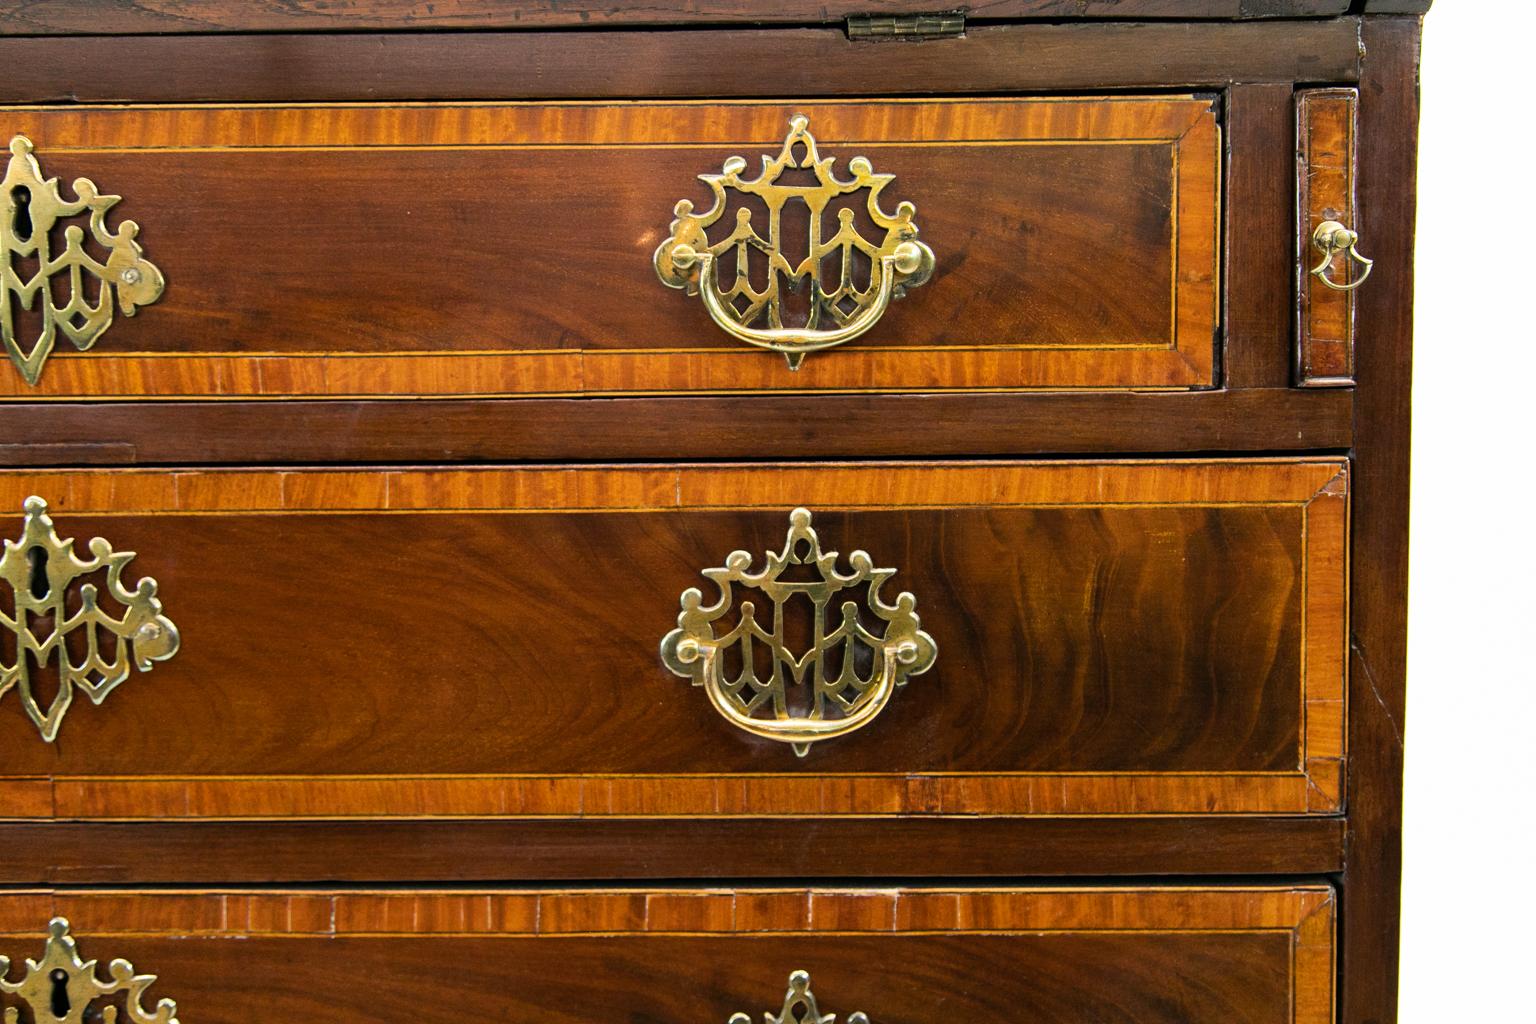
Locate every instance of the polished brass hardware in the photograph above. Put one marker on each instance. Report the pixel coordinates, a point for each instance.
(943, 25)
(65, 989)
(840, 703)
(799, 1007)
(33, 208)
(42, 572)
(1330, 239)
(689, 260)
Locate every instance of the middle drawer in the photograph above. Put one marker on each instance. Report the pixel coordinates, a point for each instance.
(1021, 638)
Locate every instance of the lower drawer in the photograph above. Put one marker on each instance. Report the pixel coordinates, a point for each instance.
(1042, 638)
(905, 956)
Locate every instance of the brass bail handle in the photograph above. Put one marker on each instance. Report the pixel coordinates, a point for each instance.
(794, 343)
(897, 659)
(1330, 239)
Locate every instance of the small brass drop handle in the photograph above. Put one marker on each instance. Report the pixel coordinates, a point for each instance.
(1330, 239)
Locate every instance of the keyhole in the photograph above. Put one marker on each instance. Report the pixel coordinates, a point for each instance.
(59, 1000)
(21, 219)
(39, 581)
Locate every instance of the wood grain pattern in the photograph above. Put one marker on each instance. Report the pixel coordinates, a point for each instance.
(201, 56)
(1389, 123)
(1195, 955)
(695, 427)
(1049, 281)
(1259, 253)
(1060, 591)
(186, 16)
(600, 849)
(1325, 190)
(249, 913)
(372, 67)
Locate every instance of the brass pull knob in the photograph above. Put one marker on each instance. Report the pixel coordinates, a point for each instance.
(689, 260)
(1330, 239)
(799, 1006)
(62, 987)
(838, 702)
(53, 596)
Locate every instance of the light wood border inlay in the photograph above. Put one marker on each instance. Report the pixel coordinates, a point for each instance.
(1186, 125)
(247, 913)
(1317, 488)
(1305, 915)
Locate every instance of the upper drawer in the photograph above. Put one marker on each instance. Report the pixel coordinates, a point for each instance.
(512, 249)
(1020, 638)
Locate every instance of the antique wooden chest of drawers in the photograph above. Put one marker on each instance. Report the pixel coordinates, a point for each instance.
(704, 511)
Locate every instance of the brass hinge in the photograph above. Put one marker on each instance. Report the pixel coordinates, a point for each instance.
(943, 25)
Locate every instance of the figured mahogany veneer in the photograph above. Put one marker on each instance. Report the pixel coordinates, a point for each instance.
(428, 656)
(1196, 955)
(499, 249)
(1115, 638)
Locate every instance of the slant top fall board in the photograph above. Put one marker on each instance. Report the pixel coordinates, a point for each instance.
(119, 17)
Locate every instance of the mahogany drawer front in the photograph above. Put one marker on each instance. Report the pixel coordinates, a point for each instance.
(1185, 955)
(1112, 638)
(507, 249)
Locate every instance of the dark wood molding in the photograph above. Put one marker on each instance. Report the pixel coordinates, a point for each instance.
(1260, 181)
(123, 17)
(591, 65)
(237, 852)
(766, 427)
(1389, 116)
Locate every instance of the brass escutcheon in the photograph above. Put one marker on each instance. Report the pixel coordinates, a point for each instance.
(799, 1007)
(64, 989)
(30, 208)
(50, 587)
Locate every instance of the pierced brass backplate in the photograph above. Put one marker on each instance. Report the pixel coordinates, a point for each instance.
(33, 209)
(64, 989)
(868, 670)
(51, 604)
(799, 1007)
(690, 260)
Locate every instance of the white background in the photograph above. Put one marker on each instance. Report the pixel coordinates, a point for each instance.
(1469, 941)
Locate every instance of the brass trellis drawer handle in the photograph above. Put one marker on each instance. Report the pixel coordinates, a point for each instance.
(1330, 239)
(799, 1007)
(690, 260)
(839, 703)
